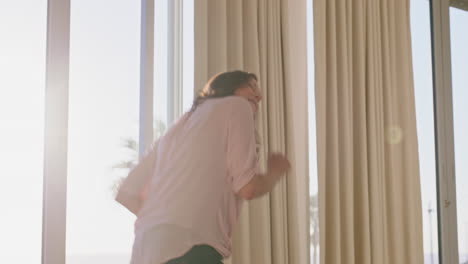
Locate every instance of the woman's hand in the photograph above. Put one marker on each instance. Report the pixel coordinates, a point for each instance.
(278, 165)
(261, 184)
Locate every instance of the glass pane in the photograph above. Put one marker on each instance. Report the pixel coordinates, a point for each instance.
(313, 181)
(103, 127)
(422, 69)
(459, 48)
(160, 66)
(22, 86)
(188, 54)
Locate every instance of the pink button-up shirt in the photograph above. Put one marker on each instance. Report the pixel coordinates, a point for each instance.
(200, 164)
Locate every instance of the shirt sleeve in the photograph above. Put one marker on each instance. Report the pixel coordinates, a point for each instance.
(132, 191)
(242, 160)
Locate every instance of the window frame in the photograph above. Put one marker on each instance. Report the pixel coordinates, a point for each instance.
(56, 132)
(444, 132)
(175, 60)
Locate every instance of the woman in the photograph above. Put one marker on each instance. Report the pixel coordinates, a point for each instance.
(200, 172)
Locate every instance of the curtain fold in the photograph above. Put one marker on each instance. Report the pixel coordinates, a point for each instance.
(251, 35)
(368, 168)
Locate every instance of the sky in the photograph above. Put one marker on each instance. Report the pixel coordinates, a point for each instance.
(22, 79)
(104, 83)
(459, 44)
(422, 67)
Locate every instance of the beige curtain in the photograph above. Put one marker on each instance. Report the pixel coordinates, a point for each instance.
(253, 35)
(368, 170)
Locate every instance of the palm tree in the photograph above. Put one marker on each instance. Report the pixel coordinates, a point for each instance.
(131, 145)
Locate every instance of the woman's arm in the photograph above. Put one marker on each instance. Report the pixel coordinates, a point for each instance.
(263, 183)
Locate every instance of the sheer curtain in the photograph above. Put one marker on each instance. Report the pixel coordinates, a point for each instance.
(369, 198)
(263, 37)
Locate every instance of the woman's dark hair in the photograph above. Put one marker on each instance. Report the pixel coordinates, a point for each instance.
(221, 85)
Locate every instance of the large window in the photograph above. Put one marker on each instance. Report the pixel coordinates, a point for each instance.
(102, 116)
(22, 87)
(459, 50)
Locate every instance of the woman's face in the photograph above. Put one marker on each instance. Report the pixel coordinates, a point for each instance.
(251, 92)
